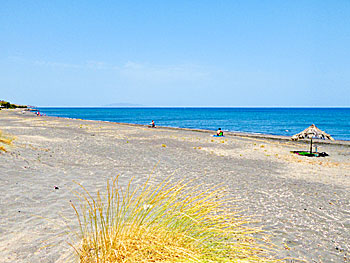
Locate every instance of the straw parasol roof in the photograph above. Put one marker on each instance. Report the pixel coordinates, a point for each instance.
(312, 132)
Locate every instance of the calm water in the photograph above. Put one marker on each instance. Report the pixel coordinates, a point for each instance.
(276, 121)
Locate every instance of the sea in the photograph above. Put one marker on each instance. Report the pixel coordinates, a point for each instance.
(273, 121)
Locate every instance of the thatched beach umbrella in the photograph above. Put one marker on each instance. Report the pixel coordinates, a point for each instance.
(310, 133)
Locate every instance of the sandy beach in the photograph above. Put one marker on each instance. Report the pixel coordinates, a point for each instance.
(303, 203)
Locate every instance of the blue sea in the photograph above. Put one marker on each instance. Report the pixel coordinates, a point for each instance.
(275, 121)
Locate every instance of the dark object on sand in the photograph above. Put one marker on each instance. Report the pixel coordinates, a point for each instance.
(56, 187)
(310, 133)
(308, 154)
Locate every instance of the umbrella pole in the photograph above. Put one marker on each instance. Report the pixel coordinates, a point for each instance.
(311, 146)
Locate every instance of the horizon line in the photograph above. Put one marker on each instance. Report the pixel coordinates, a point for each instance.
(143, 106)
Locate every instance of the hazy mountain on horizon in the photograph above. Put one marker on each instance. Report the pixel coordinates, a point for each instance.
(122, 104)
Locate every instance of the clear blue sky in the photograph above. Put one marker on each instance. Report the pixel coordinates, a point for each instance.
(175, 53)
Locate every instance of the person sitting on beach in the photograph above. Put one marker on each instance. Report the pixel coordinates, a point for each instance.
(219, 132)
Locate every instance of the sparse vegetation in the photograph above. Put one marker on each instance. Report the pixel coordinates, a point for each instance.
(164, 222)
(3, 149)
(8, 105)
(4, 140)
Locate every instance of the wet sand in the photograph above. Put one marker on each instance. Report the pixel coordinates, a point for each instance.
(304, 203)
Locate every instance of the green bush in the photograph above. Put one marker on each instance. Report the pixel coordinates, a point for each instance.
(8, 105)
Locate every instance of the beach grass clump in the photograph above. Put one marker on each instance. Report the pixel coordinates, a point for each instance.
(4, 140)
(164, 222)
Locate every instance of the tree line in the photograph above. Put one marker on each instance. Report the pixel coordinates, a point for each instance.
(8, 105)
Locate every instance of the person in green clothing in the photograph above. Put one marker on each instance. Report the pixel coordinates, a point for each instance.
(219, 132)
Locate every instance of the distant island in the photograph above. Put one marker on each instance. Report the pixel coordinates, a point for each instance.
(123, 104)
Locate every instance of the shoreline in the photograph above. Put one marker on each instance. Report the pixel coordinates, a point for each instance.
(303, 203)
(230, 133)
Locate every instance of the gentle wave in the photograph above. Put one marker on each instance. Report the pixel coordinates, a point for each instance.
(274, 121)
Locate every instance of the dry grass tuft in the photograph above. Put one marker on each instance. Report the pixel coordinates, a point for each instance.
(4, 140)
(166, 222)
(2, 149)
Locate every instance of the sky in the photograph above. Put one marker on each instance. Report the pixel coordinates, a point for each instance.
(175, 53)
